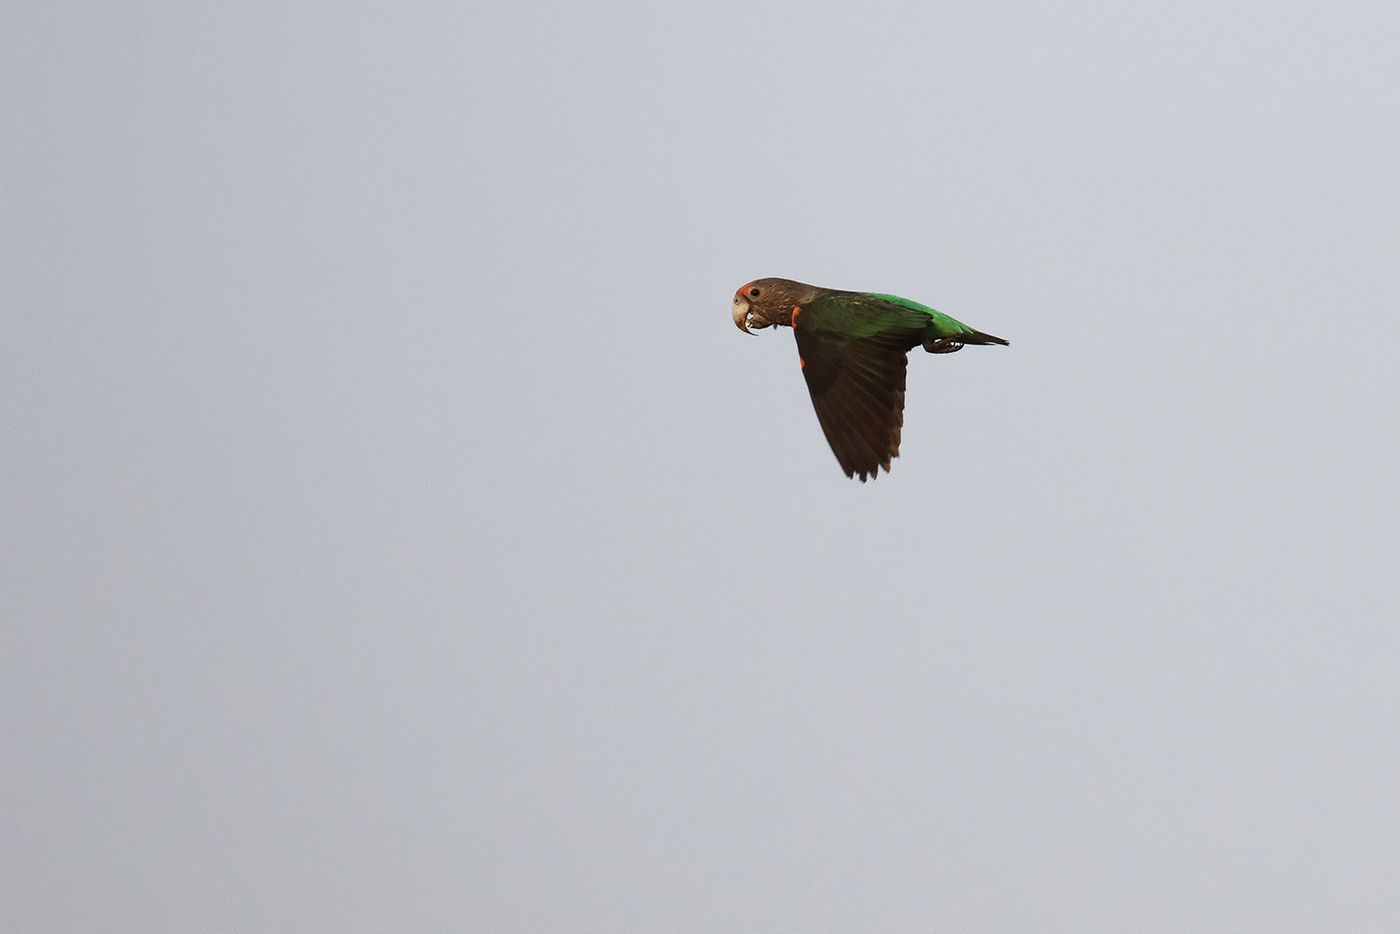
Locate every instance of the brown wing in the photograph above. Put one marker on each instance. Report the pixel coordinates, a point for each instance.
(857, 387)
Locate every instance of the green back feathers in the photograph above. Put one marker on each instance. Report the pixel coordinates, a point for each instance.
(866, 314)
(942, 325)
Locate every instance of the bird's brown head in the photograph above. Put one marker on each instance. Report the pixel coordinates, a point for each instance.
(764, 303)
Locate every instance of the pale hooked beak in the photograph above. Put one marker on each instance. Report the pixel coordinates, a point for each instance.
(741, 313)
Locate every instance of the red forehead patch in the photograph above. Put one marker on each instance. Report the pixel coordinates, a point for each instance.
(745, 287)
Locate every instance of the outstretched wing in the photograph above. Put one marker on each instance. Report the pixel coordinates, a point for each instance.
(854, 355)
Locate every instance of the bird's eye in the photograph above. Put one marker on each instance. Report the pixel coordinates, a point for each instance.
(753, 292)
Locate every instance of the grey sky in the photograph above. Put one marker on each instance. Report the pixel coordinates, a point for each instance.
(398, 535)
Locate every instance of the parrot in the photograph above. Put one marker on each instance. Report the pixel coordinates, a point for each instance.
(853, 348)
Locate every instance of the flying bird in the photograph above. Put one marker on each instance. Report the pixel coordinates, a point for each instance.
(853, 349)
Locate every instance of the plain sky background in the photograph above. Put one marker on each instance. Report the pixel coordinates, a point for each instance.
(398, 535)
